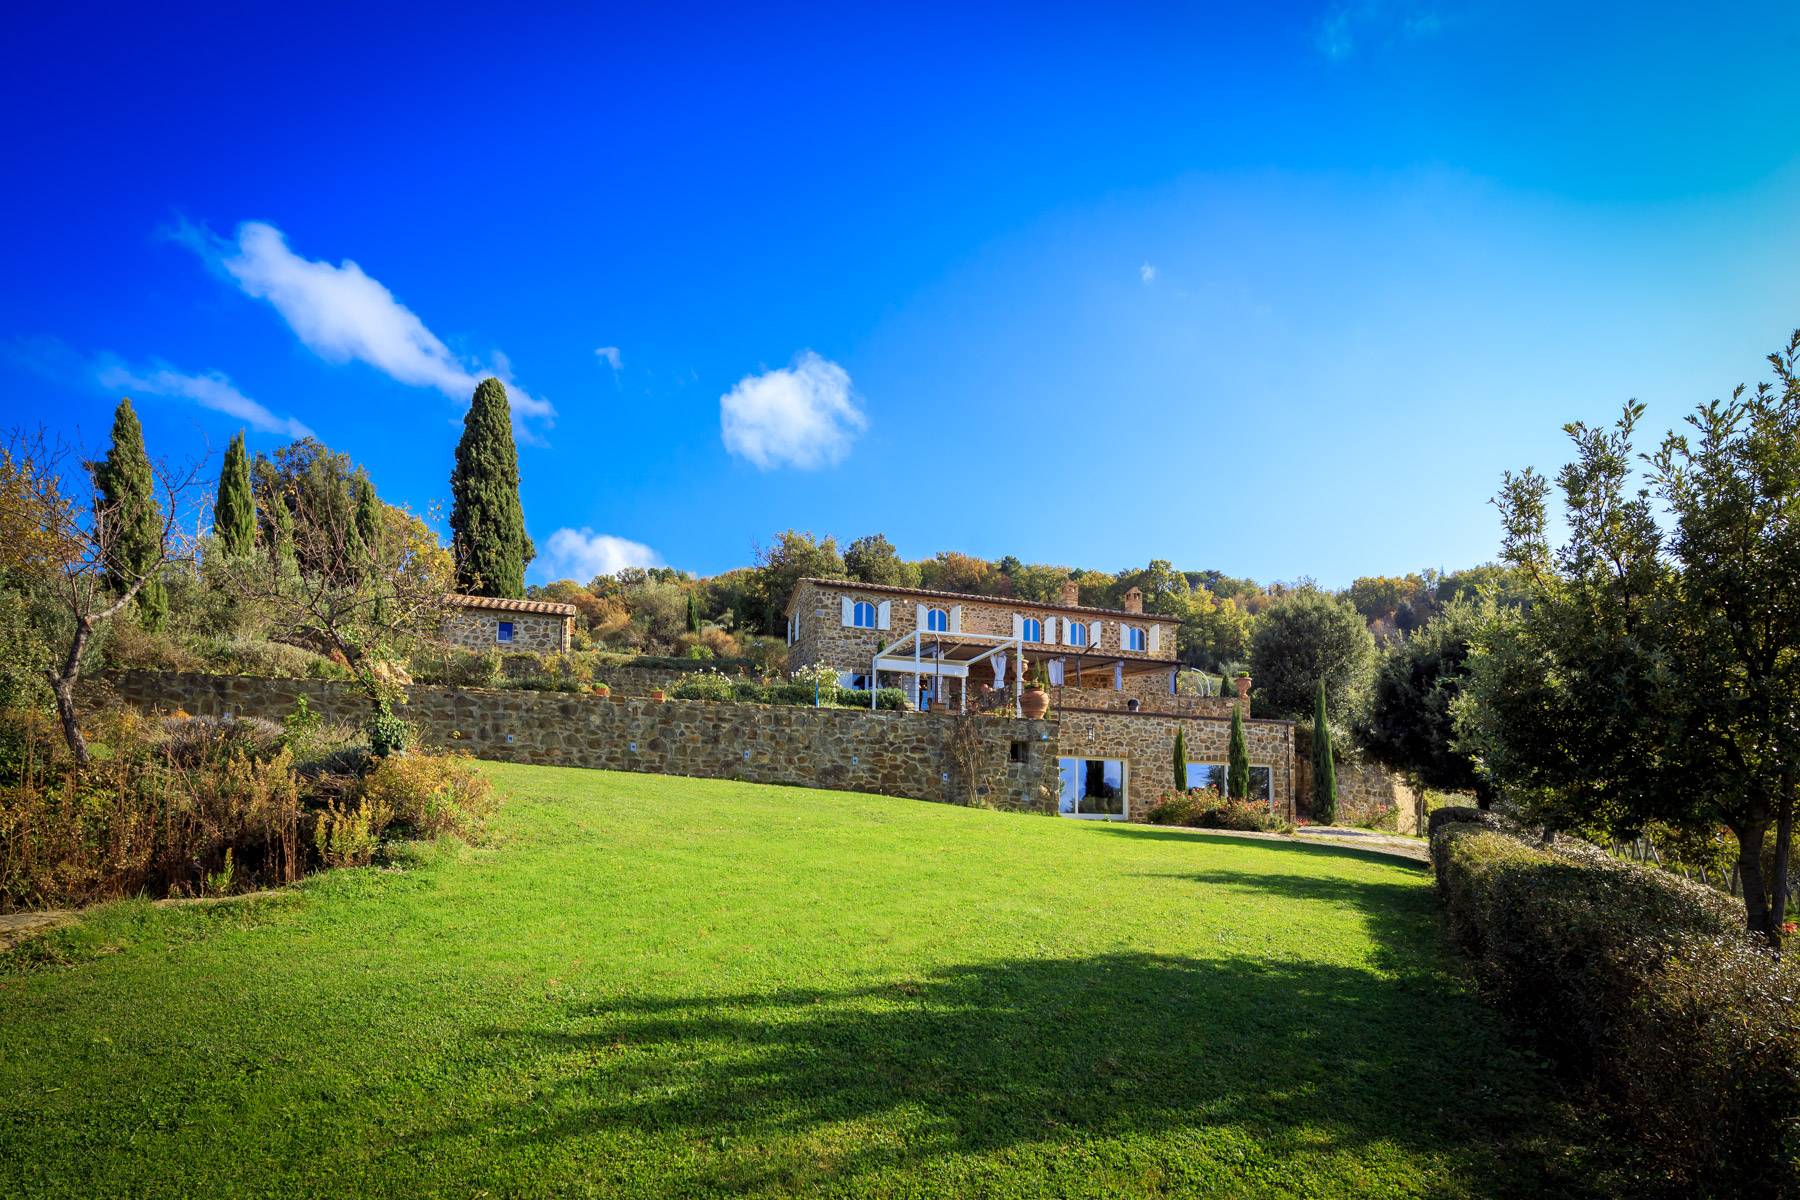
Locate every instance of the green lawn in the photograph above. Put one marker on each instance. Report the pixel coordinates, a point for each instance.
(655, 986)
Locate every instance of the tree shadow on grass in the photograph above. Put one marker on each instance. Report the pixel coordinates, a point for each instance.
(1275, 845)
(1204, 1074)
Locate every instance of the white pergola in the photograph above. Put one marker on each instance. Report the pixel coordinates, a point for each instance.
(952, 655)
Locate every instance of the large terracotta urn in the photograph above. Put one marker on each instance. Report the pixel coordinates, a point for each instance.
(1034, 703)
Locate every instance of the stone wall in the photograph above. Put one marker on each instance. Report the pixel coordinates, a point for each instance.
(1368, 794)
(995, 762)
(477, 629)
(1150, 699)
(1147, 742)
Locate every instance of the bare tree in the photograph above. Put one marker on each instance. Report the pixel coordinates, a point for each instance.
(354, 586)
(54, 526)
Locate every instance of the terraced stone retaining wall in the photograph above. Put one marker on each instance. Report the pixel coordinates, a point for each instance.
(989, 761)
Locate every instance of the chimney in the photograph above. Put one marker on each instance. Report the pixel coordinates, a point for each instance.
(1134, 600)
(1071, 594)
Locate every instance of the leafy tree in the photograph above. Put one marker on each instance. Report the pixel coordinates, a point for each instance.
(1306, 636)
(873, 559)
(954, 572)
(125, 499)
(1411, 723)
(1237, 771)
(1325, 793)
(487, 524)
(792, 557)
(1180, 759)
(234, 510)
(1649, 660)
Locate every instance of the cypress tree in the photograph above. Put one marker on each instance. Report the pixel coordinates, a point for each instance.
(234, 511)
(1180, 762)
(487, 525)
(281, 547)
(1325, 795)
(693, 615)
(368, 513)
(125, 493)
(1237, 776)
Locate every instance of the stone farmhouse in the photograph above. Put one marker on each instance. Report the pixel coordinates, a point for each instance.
(1113, 674)
(492, 622)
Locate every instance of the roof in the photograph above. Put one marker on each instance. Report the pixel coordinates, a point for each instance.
(550, 607)
(1002, 601)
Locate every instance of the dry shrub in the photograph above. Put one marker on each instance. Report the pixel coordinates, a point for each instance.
(347, 836)
(431, 795)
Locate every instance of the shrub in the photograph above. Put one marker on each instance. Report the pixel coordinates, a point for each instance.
(1644, 989)
(703, 685)
(348, 837)
(430, 795)
(388, 733)
(1204, 808)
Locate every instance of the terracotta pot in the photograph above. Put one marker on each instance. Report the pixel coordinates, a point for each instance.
(658, 695)
(604, 693)
(1034, 703)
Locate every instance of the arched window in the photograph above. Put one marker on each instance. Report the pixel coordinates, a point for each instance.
(1077, 633)
(863, 615)
(937, 620)
(1031, 629)
(1134, 638)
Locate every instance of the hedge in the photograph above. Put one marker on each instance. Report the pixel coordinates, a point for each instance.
(1671, 1024)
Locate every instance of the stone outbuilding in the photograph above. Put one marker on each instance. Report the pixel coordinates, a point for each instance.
(494, 622)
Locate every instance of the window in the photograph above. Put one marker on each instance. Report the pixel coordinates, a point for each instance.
(1212, 775)
(1031, 629)
(1133, 638)
(1017, 751)
(863, 615)
(1093, 788)
(937, 620)
(503, 631)
(853, 681)
(1077, 633)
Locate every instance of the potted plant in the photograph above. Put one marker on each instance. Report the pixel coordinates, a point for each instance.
(658, 695)
(603, 691)
(1036, 700)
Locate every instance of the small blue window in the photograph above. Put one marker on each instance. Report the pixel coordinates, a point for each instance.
(1134, 638)
(863, 615)
(1031, 629)
(1077, 633)
(937, 621)
(503, 631)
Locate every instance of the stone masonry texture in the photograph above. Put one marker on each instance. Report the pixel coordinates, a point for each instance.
(997, 762)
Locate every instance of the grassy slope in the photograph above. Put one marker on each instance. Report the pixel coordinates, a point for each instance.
(666, 986)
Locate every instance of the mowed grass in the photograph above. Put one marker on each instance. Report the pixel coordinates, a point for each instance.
(647, 986)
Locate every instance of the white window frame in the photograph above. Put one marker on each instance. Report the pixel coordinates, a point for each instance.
(1078, 635)
(858, 608)
(1124, 812)
(504, 632)
(1136, 640)
(937, 620)
(1031, 630)
(1268, 770)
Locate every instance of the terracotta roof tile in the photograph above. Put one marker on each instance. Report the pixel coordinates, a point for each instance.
(1001, 601)
(549, 607)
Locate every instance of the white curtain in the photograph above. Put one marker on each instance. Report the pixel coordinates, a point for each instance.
(999, 671)
(1056, 672)
(1118, 677)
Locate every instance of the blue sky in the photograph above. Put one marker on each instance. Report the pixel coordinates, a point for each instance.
(1279, 290)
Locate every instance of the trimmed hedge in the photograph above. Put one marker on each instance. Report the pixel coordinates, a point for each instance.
(1679, 1031)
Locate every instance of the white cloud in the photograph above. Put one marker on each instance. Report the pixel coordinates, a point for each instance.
(1147, 272)
(210, 389)
(581, 554)
(800, 416)
(344, 315)
(610, 354)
